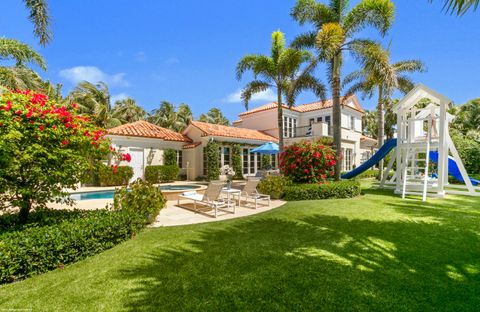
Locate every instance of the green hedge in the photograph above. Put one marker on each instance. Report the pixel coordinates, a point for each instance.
(109, 178)
(35, 250)
(274, 186)
(337, 189)
(165, 173)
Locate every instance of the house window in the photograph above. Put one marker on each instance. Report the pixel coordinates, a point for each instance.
(259, 161)
(352, 122)
(319, 119)
(274, 161)
(179, 158)
(329, 123)
(226, 156)
(289, 127)
(348, 153)
(245, 161)
(311, 121)
(252, 162)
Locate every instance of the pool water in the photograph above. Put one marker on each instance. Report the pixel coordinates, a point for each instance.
(109, 194)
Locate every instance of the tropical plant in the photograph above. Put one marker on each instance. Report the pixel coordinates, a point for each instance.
(214, 116)
(459, 7)
(468, 116)
(45, 148)
(94, 100)
(127, 110)
(335, 31)
(167, 116)
(40, 18)
(282, 71)
(380, 76)
(20, 76)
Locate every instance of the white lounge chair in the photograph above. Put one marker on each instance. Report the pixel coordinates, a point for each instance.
(211, 198)
(250, 192)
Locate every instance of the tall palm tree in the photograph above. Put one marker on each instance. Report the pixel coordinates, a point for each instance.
(94, 100)
(282, 71)
(20, 76)
(380, 76)
(127, 110)
(335, 31)
(214, 116)
(40, 18)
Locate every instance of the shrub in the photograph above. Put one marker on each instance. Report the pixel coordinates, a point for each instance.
(337, 189)
(308, 162)
(237, 161)
(170, 157)
(274, 186)
(107, 177)
(157, 174)
(213, 160)
(45, 148)
(35, 250)
(142, 199)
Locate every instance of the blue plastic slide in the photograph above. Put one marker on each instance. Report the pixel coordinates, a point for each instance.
(453, 169)
(379, 155)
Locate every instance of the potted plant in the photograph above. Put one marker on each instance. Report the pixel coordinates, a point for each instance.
(229, 173)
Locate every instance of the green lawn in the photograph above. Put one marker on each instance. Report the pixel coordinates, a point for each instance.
(375, 252)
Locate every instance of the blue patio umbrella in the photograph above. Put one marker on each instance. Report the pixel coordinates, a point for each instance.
(269, 148)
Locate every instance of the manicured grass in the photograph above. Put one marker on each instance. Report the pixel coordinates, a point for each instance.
(375, 252)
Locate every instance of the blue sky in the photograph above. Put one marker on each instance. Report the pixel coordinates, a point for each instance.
(186, 50)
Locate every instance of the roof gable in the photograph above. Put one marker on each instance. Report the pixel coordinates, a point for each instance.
(145, 129)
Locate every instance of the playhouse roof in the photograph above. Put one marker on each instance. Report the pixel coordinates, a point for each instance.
(419, 92)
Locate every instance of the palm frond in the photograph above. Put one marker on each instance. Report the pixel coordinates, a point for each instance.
(278, 45)
(19, 77)
(20, 52)
(303, 83)
(259, 64)
(376, 13)
(405, 84)
(409, 66)
(306, 40)
(330, 40)
(251, 88)
(310, 11)
(40, 18)
(459, 7)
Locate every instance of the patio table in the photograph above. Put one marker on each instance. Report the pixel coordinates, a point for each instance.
(231, 192)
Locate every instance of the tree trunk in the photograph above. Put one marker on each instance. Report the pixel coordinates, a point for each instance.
(337, 115)
(25, 207)
(280, 119)
(381, 127)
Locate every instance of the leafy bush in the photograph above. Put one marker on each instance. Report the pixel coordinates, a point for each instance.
(107, 177)
(170, 157)
(274, 186)
(337, 189)
(237, 161)
(213, 160)
(141, 198)
(308, 162)
(157, 174)
(469, 151)
(45, 148)
(35, 250)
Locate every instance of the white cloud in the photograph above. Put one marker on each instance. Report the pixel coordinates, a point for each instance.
(264, 96)
(93, 74)
(140, 57)
(118, 97)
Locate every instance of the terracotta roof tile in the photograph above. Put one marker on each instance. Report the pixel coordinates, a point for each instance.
(191, 145)
(303, 107)
(232, 132)
(147, 130)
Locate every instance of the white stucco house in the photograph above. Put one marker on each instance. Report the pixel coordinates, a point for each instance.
(146, 142)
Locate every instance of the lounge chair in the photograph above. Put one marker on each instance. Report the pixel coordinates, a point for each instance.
(250, 192)
(211, 198)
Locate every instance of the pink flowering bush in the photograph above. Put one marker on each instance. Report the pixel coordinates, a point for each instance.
(44, 148)
(308, 162)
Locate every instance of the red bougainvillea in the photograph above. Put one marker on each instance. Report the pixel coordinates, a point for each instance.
(45, 147)
(308, 162)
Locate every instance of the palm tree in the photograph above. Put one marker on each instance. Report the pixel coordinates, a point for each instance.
(94, 100)
(380, 76)
(334, 33)
(184, 115)
(459, 7)
(40, 18)
(127, 110)
(164, 116)
(282, 72)
(214, 116)
(20, 76)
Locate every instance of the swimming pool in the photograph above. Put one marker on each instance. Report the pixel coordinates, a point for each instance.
(109, 194)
